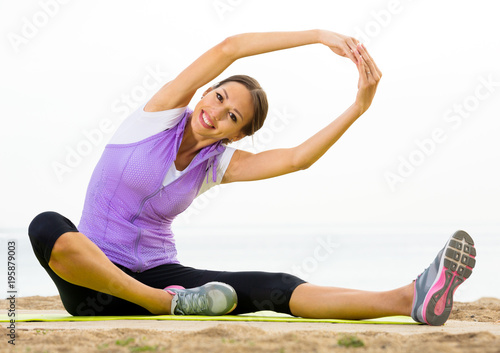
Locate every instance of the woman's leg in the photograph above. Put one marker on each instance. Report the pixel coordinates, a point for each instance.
(81, 301)
(256, 290)
(82, 272)
(79, 261)
(429, 299)
(288, 294)
(328, 302)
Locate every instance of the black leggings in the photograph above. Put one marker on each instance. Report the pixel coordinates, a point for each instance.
(256, 290)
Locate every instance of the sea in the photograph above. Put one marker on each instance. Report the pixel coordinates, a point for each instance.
(374, 258)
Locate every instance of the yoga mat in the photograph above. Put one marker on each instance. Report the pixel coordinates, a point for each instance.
(259, 316)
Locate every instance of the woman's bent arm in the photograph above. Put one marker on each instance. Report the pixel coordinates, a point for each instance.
(245, 166)
(180, 91)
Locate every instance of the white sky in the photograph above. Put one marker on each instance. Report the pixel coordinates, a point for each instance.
(82, 60)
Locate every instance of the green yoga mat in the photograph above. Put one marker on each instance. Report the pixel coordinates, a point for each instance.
(259, 316)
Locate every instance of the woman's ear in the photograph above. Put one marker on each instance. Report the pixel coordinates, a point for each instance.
(237, 138)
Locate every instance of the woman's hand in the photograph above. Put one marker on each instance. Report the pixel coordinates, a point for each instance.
(339, 44)
(369, 77)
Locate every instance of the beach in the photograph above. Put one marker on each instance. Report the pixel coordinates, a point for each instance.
(472, 327)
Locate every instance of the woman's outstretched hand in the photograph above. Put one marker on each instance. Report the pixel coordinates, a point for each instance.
(339, 44)
(369, 77)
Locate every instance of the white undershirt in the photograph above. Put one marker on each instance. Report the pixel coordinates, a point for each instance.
(140, 125)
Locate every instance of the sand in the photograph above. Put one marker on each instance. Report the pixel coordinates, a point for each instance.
(473, 327)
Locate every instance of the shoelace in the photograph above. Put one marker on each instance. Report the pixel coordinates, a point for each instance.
(191, 303)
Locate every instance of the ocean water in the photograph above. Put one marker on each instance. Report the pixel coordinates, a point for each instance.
(370, 258)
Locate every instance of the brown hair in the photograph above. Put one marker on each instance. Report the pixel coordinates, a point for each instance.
(259, 98)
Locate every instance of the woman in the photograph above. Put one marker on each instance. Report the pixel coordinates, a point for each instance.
(122, 259)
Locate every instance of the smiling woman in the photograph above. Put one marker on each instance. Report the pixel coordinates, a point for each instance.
(259, 100)
(245, 106)
(123, 252)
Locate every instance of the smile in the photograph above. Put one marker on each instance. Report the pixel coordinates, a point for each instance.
(205, 120)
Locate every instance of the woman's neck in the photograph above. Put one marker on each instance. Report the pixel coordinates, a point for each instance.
(191, 144)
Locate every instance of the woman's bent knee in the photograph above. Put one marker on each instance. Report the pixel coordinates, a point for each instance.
(50, 223)
(45, 230)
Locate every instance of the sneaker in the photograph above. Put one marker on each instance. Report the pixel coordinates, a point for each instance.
(434, 288)
(213, 298)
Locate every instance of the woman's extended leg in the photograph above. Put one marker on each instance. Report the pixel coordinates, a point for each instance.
(429, 299)
(318, 302)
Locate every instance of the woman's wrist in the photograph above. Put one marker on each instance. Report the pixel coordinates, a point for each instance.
(358, 108)
(325, 37)
(315, 36)
(320, 36)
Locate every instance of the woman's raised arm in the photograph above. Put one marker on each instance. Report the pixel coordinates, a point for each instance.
(246, 166)
(179, 92)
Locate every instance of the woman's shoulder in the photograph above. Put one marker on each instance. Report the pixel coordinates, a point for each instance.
(142, 124)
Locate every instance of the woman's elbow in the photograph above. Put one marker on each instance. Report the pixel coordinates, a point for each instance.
(304, 165)
(300, 164)
(228, 47)
(298, 160)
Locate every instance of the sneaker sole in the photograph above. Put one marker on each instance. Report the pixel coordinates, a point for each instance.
(455, 267)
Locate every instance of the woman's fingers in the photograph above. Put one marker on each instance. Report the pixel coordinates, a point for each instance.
(372, 67)
(374, 63)
(350, 48)
(351, 44)
(369, 76)
(349, 53)
(362, 68)
(340, 44)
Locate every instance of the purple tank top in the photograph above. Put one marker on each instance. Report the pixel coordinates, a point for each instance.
(128, 212)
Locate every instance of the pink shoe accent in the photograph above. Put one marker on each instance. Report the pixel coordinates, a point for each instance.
(441, 304)
(439, 284)
(173, 287)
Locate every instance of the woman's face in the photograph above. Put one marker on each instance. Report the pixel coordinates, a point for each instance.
(223, 112)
